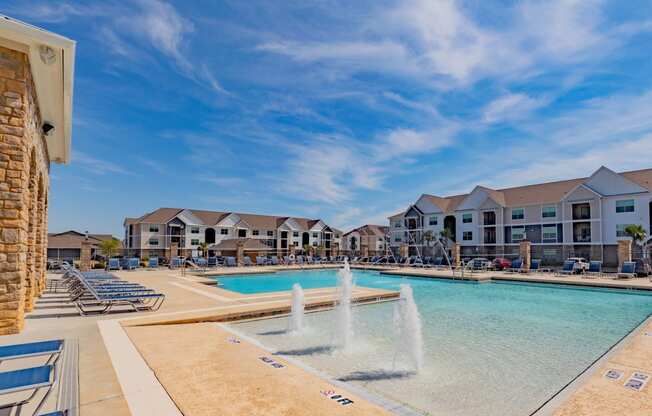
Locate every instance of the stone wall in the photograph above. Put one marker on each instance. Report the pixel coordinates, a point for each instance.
(24, 185)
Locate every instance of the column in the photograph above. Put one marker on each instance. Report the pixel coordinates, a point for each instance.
(457, 255)
(85, 256)
(624, 251)
(525, 252)
(239, 252)
(14, 191)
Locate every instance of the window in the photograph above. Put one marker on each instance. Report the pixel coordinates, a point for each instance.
(620, 230)
(467, 235)
(489, 217)
(242, 232)
(295, 234)
(432, 220)
(398, 224)
(194, 242)
(296, 244)
(224, 231)
(315, 235)
(270, 233)
(518, 213)
(466, 218)
(549, 233)
(153, 241)
(314, 243)
(549, 212)
(337, 236)
(153, 228)
(518, 233)
(194, 230)
(255, 232)
(397, 238)
(626, 205)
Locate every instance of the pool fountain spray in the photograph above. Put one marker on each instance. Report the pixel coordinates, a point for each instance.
(344, 313)
(296, 316)
(408, 327)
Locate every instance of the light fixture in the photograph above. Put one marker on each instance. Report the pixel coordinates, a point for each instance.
(48, 56)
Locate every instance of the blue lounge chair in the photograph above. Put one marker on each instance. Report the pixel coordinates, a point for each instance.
(261, 261)
(274, 261)
(246, 260)
(595, 269)
(152, 263)
(114, 264)
(32, 349)
(212, 262)
(535, 266)
(627, 270)
(568, 268)
(230, 261)
(26, 379)
(516, 266)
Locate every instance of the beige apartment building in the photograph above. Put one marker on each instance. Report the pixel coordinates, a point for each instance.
(165, 229)
(577, 217)
(367, 240)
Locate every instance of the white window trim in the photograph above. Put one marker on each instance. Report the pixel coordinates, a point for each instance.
(511, 233)
(625, 200)
(511, 214)
(543, 239)
(548, 218)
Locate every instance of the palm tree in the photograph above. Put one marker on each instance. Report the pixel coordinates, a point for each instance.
(109, 247)
(428, 237)
(445, 235)
(204, 248)
(637, 233)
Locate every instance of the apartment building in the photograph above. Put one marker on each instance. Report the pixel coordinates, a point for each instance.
(576, 217)
(155, 233)
(367, 240)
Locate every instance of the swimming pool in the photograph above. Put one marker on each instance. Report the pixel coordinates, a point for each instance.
(490, 348)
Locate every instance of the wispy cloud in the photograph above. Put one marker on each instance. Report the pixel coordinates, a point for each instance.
(511, 107)
(98, 166)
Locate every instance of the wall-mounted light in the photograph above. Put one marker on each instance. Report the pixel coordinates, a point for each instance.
(48, 55)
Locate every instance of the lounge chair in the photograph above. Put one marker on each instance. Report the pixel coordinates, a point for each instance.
(26, 379)
(568, 268)
(535, 266)
(230, 261)
(246, 261)
(517, 266)
(627, 270)
(152, 263)
(212, 262)
(273, 261)
(260, 261)
(299, 260)
(595, 269)
(32, 349)
(114, 264)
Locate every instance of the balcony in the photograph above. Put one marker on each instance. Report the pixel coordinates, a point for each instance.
(582, 232)
(489, 218)
(581, 211)
(489, 236)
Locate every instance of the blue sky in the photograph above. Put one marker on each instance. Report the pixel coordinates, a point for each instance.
(341, 110)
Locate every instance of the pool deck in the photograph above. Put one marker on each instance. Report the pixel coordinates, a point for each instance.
(125, 360)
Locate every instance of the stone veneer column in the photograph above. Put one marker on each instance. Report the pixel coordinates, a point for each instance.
(239, 252)
(525, 252)
(624, 251)
(457, 255)
(40, 246)
(85, 256)
(30, 280)
(19, 134)
(42, 242)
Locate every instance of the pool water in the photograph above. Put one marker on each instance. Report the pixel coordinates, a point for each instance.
(490, 348)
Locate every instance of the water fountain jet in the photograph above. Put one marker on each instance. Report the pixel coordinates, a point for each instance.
(343, 311)
(295, 323)
(408, 323)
